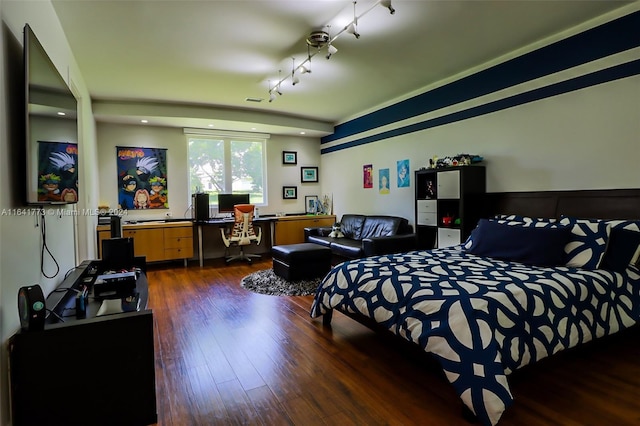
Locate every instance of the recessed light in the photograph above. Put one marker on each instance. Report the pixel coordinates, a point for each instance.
(61, 113)
(144, 121)
(211, 125)
(303, 133)
(253, 99)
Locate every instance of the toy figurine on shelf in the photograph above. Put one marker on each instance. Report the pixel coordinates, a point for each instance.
(431, 191)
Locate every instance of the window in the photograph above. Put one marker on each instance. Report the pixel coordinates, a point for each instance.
(227, 163)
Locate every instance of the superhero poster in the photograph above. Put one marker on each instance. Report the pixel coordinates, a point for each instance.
(57, 172)
(142, 178)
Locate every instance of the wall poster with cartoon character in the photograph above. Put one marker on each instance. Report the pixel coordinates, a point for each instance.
(142, 178)
(58, 172)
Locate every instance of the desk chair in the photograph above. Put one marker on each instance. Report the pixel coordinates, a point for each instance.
(242, 233)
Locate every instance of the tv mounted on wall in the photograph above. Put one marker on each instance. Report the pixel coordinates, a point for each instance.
(51, 129)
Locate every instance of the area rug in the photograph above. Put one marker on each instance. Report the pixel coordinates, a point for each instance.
(267, 282)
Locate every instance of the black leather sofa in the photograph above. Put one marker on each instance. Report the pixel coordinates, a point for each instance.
(366, 236)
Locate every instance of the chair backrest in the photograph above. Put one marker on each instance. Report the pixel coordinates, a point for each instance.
(243, 221)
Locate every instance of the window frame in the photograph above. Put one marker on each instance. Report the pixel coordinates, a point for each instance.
(227, 138)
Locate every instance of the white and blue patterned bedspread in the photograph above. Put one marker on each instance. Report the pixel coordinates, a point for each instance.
(482, 318)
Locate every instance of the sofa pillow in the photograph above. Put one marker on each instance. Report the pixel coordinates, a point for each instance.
(623, 250)
(528, 245)
(588, 242)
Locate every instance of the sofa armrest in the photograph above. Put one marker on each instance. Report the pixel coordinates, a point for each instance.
(320, 231)
(388, 245)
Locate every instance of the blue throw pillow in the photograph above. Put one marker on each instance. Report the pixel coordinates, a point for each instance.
(528, 245)
(588, 242)
(622, 250)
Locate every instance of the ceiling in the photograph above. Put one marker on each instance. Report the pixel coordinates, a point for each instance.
(141, 58)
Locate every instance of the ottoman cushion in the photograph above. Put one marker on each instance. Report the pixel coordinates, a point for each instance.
(295, 262)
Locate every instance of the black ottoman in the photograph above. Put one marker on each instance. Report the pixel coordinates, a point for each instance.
(295, 262)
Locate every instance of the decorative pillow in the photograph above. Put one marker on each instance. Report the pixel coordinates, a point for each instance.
(588, 242)
(528, 245)
(525, 220)
(623, 250)
(630, 225)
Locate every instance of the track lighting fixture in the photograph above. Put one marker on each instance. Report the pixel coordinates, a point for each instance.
(387, 4)
(331, 49)
(352, 28)
(294, 78)
(319, 39)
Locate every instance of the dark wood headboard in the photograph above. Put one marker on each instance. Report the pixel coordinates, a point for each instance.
(593, 204)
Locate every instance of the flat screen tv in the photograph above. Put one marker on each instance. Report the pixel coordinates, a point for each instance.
(51, 129)
(227, 201)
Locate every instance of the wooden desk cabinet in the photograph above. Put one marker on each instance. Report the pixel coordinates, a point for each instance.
(156, 241)
(290, 229)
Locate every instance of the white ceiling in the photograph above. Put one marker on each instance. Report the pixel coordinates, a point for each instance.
(144, 55)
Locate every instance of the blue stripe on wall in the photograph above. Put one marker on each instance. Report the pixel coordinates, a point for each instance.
(609, 74)
(607, 39)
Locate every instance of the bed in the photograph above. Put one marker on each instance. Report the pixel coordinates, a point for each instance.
(488, 307)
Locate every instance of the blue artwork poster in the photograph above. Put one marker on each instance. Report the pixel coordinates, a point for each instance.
(142, 178)
(57, 172)
(403, 173)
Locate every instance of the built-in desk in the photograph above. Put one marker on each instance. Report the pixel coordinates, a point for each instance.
(282, 229)
(155, 240)
(200, 224)
(290, 229)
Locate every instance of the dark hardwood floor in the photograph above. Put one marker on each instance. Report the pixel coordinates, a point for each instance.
(226, 356)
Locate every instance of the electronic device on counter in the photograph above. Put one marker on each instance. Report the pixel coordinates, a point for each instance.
(32, 308)
(200, 202)
(117, 285)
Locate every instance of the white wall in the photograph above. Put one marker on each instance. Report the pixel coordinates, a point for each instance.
(21, 242)
(111, 135)
(583, 139)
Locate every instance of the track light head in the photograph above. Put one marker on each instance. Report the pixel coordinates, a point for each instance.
(295, 80)
(331, 50)
(304, 70)
(272, 96)
(387, 4)
(352, 29)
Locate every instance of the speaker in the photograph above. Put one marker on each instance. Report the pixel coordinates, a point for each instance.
(116, 227)
(31, 308)
(201, 206)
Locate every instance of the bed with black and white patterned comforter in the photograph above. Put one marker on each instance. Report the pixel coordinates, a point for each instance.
(482, 318)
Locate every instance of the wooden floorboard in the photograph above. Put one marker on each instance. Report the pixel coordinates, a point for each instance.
(227, 356)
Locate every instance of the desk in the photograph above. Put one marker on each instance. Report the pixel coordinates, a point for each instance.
(224, 223)
(282, 229)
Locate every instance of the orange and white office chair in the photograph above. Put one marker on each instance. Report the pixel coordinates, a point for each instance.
(242, 233)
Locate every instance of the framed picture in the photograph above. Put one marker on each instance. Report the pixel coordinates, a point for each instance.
(311, 204)
(289, 192)
(289, 157)
(309, 174)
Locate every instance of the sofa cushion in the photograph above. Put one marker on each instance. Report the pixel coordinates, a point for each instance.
(380, 226)
(347, 247)
(351, 225)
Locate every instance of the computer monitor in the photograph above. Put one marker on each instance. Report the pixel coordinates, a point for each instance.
(117, 254)
(227, 201)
